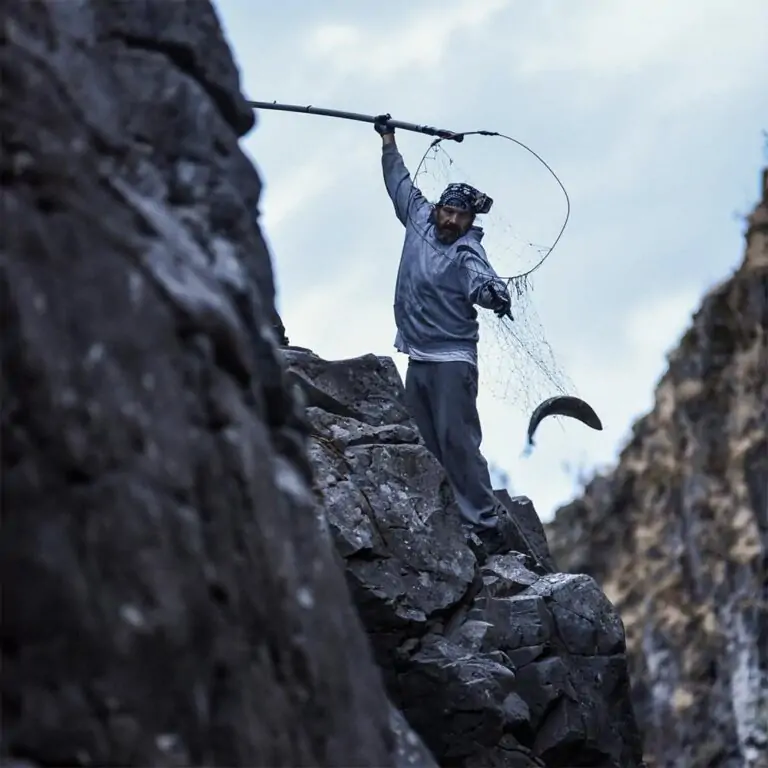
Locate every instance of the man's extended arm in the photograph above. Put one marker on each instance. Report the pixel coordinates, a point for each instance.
(405, 195)
(484, 287)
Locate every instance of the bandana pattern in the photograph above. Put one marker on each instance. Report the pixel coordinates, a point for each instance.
(466, 198)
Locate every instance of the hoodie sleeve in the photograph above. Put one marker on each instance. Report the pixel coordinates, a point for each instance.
(480, 277)
(405, 195)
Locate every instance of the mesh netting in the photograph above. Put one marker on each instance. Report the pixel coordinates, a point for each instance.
(517, 364)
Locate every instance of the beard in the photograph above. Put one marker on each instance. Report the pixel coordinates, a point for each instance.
(447, 235)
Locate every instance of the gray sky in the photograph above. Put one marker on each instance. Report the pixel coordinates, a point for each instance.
(650, 111)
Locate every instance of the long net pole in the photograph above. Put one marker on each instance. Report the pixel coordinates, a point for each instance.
(310, 110)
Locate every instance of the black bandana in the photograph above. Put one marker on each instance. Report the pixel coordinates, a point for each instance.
(466, 198)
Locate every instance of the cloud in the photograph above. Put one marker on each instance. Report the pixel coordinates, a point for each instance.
(339, 315)
(284, 198)
(652, 327)
(415, 44)
(317, 175)
(613, 40)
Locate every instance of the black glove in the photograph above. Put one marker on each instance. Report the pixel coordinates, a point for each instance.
(381, 125)
(504, 310)
(502, 304)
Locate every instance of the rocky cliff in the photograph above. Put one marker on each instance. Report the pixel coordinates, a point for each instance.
(495, 662)
(169, 596)
(677, 534)
(199, 528)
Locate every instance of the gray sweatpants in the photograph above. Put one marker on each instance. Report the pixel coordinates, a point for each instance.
(442, 398)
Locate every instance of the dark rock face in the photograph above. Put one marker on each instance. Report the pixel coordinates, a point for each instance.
(499, 664)
(677, 534)
(171, 596)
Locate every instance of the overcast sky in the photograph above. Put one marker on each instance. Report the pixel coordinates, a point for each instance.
(650, 111)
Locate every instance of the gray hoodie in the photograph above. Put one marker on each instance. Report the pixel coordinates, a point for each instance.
(438, 285)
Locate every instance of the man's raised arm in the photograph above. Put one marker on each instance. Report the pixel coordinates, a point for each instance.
(406, 197)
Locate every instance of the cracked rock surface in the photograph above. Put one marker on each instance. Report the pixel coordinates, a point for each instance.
(498, 663)
(170, 594)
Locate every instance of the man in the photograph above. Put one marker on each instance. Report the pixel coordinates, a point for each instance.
(444, 272)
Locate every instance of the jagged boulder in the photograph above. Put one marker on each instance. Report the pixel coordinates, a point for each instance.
(494, 663)
(677, 532)
(170, 595)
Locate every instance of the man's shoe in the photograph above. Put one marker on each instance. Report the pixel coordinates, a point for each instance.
(505, 537)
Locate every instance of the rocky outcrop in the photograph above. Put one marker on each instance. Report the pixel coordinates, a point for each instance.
(169, 594)
(677, 534)
(495, 662)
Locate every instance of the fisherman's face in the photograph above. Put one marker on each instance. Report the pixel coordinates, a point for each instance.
(451, 223)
